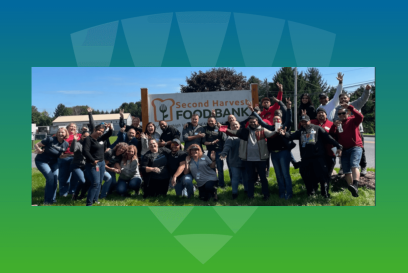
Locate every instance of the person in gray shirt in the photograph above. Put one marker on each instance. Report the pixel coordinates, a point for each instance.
(231, 148)
(194, 133)
(203, 170)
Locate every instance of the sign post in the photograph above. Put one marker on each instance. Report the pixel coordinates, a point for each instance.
(145, 106)
(254, 93)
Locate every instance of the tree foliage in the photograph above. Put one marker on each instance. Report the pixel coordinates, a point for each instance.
(40, 118)
(215, 79)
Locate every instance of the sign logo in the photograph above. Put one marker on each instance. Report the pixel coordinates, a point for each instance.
(163, 109)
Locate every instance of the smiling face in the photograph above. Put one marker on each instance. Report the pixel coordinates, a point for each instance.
(344, 99)
(235, 125)
(304, 123)
(153, 146)
(342, 114)
(61, 134)
(194, 153)
(253, 123)
(131, 134)
(150, 128)
(305, 99)
(277, 119)
(323, 100)
(321, 116)
(211, 122)
(130, 152)
(175, 147)
(163, 125)
(84, 135)
(266, 104)
(120, 150)
(194, 120)
(72, 128)
(231, 118)
(99, 132)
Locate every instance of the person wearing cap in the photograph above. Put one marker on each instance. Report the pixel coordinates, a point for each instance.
(153, 168)
(176, 164)
(214, 140)
(268, 110)
(358, 105)
(329, 106)
(235, 164)
(168, 134)
(202, 168)
(351, 140)
(313, 169)
(326, 124)
(254, 151)
(193, 133)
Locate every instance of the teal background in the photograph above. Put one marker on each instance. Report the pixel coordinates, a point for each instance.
(99, 239)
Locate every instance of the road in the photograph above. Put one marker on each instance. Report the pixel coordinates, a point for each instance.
(369, 146)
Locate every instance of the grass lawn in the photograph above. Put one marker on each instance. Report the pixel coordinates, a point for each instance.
(340, 196)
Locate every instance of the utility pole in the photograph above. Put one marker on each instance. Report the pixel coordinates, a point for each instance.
(295, 99)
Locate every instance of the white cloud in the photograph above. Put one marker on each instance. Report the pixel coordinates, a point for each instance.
(78, 92)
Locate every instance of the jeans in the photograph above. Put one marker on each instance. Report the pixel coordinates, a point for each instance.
(314, 170)
(238, 174)
(133, 184)
(50, 172)
(64, 165)
(220, 167)
(96, 179)
(363, 161)
(109, 185)
(184, 181)
(351, 158)
(281, 162)
(77, 176)
(250, 170)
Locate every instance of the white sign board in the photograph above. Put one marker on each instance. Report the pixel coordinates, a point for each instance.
(177, 109)
(33, 130)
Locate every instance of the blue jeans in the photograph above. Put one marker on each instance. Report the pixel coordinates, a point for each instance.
(64, 165)
(184, 181)
(351, 158)
(238, 174)
(109, 185)
(133, 184)
(77, 176)
(96, 179)
(250, 170)
(220, 167)
(281, 162)
(50, 172)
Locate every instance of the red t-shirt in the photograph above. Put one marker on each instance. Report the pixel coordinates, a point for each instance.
(270, 113)
(69, 140)
(350, 137)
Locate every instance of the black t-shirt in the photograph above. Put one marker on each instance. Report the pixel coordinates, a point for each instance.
(94, 149)
(52, 149)
(169, 134)
(174, 160)
(112, 158)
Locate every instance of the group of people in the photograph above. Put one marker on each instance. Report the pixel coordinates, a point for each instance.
(153, 162)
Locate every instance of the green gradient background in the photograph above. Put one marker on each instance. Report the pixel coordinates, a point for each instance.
(108, 239)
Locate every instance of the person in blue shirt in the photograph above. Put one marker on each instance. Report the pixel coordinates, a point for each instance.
(47, 162)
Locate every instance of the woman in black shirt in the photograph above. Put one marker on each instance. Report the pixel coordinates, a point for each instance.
(93, 150)
(154, 170)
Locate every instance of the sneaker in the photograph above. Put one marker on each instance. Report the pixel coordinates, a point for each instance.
(363, 171)
(353, 190)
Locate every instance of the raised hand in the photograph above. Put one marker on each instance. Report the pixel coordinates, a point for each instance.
(304, 112)
(123, 129)
(280, 86)
(89, 109)
(340, 77)
(213, 155)
(213, 112)
(250, 107)
(121, 111)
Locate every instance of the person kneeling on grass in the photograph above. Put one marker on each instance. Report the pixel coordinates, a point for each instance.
(129, 178)
(111, 158)
(47, 162)
(231, 148)
(349, 136)
(176, 164)
(203, 171)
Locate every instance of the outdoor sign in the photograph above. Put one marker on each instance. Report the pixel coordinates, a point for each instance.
(178, 108)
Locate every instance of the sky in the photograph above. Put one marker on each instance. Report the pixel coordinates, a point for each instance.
(106, 88)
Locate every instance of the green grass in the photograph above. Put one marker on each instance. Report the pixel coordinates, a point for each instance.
(340, 196)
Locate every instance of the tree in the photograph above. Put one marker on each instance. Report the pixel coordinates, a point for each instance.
(45, 119)
(286, 76)
(35, 115)
(134, 108)
(215, 79)
(314, 85)
(80, 110)
(61, 110)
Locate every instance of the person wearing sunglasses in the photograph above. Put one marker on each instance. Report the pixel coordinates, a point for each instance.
(349, 136)
(358, 105)
(176, 164)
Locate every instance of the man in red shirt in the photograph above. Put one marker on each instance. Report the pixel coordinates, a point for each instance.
(326, 124)
(269, 111)
(346, 131)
